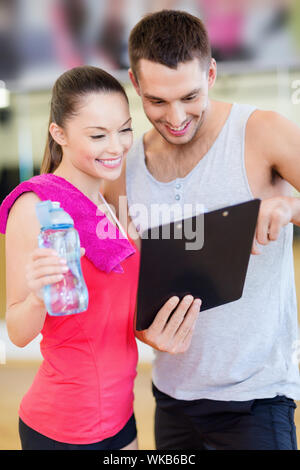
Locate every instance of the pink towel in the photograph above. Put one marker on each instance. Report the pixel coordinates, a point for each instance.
(105, 253)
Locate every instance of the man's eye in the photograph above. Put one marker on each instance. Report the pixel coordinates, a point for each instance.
(100, 136)
(157, 102)
(189, 98)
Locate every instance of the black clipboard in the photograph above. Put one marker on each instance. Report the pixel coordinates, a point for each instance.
(215, 272)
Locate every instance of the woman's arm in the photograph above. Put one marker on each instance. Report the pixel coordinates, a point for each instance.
(28, 269)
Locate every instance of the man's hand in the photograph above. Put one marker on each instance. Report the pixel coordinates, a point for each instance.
(173, 336)
(274, 213)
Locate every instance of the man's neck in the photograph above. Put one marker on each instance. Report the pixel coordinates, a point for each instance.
(167, 161)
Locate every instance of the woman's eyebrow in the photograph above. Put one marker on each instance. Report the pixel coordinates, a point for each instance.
(104, 128)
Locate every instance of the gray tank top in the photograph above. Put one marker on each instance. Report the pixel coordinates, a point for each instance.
(246, 349)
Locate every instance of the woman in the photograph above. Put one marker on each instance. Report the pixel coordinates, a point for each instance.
(82, 395)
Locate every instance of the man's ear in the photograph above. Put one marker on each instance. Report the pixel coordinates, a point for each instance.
(134, 82)
(212, 73)
(57, 133)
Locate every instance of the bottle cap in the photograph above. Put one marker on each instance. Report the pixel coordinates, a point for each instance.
(51, 215)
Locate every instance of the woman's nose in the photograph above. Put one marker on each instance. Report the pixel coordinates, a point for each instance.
(114, 145)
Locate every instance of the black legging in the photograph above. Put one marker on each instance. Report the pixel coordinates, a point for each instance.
(33, 440)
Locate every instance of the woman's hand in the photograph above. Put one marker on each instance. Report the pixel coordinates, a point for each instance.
(45, 267)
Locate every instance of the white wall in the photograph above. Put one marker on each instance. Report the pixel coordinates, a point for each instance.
(8, 351)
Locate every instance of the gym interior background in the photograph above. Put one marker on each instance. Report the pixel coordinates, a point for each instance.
(257, 48)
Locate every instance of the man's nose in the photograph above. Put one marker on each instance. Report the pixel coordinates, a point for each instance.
(176, 115)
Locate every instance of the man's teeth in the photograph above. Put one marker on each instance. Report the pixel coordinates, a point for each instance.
(178, 128)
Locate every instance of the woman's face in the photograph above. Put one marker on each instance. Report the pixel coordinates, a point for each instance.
(99, 135)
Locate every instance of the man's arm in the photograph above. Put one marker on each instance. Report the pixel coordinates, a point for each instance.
(278, 142)
(283, 151)
(284, 154)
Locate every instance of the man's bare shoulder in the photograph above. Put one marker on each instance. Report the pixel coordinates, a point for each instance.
(272, 133)
(272, 143)
(270, 123)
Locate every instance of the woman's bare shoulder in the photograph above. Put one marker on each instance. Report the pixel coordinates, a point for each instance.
(23, 209)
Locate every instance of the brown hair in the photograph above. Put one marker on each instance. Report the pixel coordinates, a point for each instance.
(67, 91)
(168, 37)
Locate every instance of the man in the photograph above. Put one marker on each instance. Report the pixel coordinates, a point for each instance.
(234, 385)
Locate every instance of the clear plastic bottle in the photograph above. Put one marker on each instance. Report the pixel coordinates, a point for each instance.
(57, 232)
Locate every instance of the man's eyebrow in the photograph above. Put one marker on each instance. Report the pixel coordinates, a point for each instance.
(151, 97)
(104, 128)
(157, 98)
(193, 92)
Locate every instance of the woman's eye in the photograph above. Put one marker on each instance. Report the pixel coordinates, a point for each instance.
(128, 129)
(100, 136)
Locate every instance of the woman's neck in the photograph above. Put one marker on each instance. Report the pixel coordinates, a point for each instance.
(88, 185)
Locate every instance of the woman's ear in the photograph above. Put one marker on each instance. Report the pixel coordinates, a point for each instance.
(57, 133)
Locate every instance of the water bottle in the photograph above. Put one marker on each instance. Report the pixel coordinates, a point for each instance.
(70, 295)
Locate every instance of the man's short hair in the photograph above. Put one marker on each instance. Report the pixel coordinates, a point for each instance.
(169, 37)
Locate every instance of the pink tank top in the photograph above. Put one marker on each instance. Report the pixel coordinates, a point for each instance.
(83, 391)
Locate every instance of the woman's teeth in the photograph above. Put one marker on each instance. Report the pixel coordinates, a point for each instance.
(110, 163)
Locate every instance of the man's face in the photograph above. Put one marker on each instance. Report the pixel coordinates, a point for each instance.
(175, 100)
